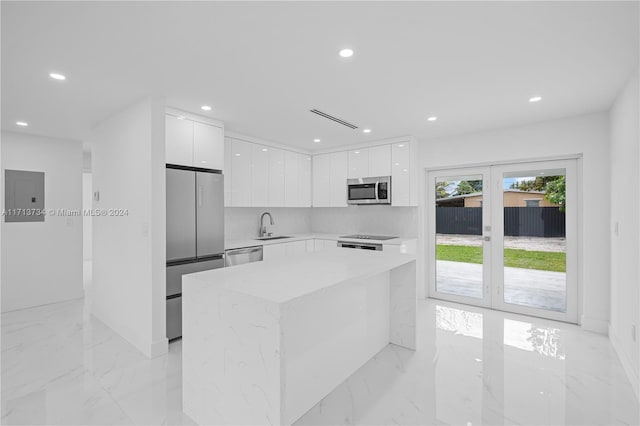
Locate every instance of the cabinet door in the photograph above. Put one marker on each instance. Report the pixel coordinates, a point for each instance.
(291, 179)
(274, 251)
(259, 175)
(310, 247)
(339, 166)
(179, 141)
(241, 169)
(295, 247)
(276, 177)
(228, 173)
(304, 180)
(208, 146)
(401, 174)
(380, 160)
(359, 163)
(322, 180)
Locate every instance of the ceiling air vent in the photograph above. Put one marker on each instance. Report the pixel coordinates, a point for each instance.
(336, 119)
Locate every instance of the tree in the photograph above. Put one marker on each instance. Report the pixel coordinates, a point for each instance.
(555, 192)
(441, 190)
(468, 187)
(538, 183)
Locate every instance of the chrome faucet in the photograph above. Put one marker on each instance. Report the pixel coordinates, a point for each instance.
(263, 228)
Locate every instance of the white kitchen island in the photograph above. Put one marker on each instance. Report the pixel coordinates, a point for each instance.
(264, 342)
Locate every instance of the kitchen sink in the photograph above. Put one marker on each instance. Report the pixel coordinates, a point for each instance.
(274, 237)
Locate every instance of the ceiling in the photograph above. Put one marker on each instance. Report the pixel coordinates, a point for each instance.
(262, 66)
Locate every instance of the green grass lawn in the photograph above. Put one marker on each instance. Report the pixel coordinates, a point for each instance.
(541, 260)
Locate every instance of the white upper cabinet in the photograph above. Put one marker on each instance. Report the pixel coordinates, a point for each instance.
(228, 173)
(339, 166)
(240, 173)
(259, 175)
(380, 160)
(304, 180)
(330, 180)
(276, 177)
(291, 182)
(370, 162)
(208, 146)
(179, 141)
(322, 180)
(193, 144)
(358, 163)
(403, 175)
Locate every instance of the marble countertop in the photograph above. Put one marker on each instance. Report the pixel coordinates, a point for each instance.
(282, 280)
(234, 244)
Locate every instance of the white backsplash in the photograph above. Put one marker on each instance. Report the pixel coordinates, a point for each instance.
(377, 220)
(242, 223)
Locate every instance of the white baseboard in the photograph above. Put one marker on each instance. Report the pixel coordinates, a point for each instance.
(594, 325)
(625, 361)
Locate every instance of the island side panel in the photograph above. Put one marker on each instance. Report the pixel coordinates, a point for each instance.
(403, 305)
(231, 357)
(328, 335)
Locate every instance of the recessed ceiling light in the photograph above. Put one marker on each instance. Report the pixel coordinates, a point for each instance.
(346, 53)
(316, 140)
(396, 164)
(237, 155)
(57, 76)
(205, 108)
(432, 118)
(264, 149)
(366, 131)
(22, 123)
(401, 145)
(535, 99)
(356, 152)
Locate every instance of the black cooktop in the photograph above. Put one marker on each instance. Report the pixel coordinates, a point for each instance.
(369, 237)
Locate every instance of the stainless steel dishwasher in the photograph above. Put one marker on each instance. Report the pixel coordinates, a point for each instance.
(242, 255)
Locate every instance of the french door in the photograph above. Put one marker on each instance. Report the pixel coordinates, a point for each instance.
(505, 237)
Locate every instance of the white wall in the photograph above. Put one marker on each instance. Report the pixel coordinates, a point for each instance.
(87, 220)
(586, 135)
(42, 261)
(129, 251)
(242, 223)
(377, 220)
(625, 212)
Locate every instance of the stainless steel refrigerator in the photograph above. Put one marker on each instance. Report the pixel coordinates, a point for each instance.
(195, 231)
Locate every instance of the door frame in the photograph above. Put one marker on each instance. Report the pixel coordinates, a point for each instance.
(431, 278)
(427, 232)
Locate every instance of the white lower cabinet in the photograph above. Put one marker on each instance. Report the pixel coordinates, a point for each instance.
(320, 245)
(282, 250)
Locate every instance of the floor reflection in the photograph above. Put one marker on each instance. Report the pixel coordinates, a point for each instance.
(473, 366)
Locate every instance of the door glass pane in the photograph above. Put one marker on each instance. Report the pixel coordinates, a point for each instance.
(534, 239)
(459, 254)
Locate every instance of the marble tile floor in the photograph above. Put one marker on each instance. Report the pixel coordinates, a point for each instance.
(474, 366)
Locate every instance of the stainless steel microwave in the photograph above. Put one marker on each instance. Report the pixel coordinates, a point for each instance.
(371, 190)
